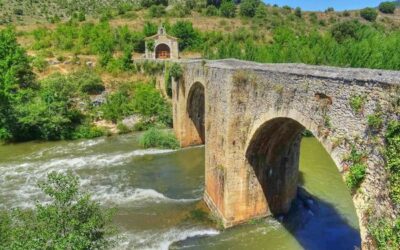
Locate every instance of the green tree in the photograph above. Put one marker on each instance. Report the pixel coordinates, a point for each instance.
(387, 7)
(127, 59)
(16, 77)
(187, 35)
(346, 30)
(157, 11)
(50, 113)
(211, 10)
(149, 29)
(248, 7)
(369, 14)
(228, 9)
(261, 11)
(70, 221)
(298, 12)
(149, 3)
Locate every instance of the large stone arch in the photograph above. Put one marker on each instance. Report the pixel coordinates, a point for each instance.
(162, 51)
(272, 158)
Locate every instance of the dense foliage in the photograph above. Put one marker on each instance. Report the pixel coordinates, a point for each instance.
(387, 7)
(248, 8)
(71, 220)
(137, 98)
(228, 9)
(155, 138)
(16, 81)
(44, 110)
(350, 45)
(369, 14)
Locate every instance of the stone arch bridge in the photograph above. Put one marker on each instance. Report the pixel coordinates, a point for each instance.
(250, 117)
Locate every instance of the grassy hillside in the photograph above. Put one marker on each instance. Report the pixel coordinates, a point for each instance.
(43, 25)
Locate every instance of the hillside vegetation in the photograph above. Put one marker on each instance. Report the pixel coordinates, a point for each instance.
(210, 29)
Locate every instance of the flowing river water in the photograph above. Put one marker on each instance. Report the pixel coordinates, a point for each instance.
(155, 191)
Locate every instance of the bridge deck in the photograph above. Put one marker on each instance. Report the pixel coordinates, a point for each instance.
(348, 74)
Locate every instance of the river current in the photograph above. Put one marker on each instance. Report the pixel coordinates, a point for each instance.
(155, 191)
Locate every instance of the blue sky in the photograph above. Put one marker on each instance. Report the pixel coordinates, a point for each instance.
(323, 4)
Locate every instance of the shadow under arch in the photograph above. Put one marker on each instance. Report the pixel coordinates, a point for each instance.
(273, 152)
(196, 108)
(163, 51)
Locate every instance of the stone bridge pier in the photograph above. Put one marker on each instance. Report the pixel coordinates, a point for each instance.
(251, 116)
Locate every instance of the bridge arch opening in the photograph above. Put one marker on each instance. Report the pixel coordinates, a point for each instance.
(163, 51)
(274, 154)
(196, 109)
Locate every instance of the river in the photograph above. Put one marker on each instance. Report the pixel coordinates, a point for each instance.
(155, 191)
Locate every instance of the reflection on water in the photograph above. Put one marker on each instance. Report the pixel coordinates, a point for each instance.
(155, 190)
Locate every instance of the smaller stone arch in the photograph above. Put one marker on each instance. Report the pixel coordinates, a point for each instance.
(163, 51)
(196, 109)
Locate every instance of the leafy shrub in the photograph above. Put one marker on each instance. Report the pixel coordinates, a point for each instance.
(143, 125)
(19, 12)
(248, 7)
(176, 71)
(88, 82)
(179, 10)
(149, 29)
(139, 98)
(261, 12)
(154, 138)
(369, 14)
(40, 63)
(187, 35)
(79, 16)
(216, 3)
(346, 30)
(375, 121)
(228, 9)
(157, 11)
(117, 106)
(357, 103)
(356, 175)
(387, 7)
(148, 102)
(123, 129)
(87, 131)
(357, 169)
(330, 9)
(49, 113)
(149, 3)
(211, 10)
(298, 12)
(71, 220)
(126, 59)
